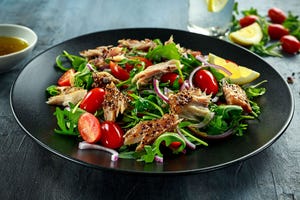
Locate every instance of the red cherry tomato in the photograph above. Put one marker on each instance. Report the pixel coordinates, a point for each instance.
(145, 60)
(290, 44)
(65, 79)
(248, 20)
(175, 145)
(171, 77)
(93, 100)
(276, 31)
(276, 15)
(128, 67)
(118, 71)
(89, 128)
(205, 80)
(112, 135)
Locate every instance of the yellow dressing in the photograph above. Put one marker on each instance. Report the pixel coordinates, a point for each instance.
(11, 44)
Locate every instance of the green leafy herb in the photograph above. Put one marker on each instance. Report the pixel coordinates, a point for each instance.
(77, 62)
(52, 90)
(253, 91)
(166, 138)
(266, 50)
(67, 120)
(293, 24)
(168, 51)
(227, 117)
(83, 78)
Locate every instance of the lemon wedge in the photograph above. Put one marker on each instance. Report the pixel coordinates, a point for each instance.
(247, 75)
(248, 35)
(230, 66)
(216, 5)
(239, 74)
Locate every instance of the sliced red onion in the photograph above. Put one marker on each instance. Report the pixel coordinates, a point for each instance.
(85, 145)
(192, 74)
(90, 67)
(215, 99)
(205, 121)
(167, 91)
(68, 108)
(201, 59)
(158, 159)
(185, 85)
(204, 61)
(188, 143)
(220, 136)
(159, 92)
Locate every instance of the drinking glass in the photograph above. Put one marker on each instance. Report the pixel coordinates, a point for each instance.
(201, 20)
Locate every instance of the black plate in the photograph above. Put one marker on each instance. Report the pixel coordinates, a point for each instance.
(28, 99)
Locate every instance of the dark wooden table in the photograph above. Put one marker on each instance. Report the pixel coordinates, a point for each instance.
(28, 171)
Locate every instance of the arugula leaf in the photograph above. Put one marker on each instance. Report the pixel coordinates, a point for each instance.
(154, 150)
(227, 117)
(218, 75)
(67, 120)
(146, 107)
(235, 25)
(255, 108)
(73, 61)
(293, 24)
(168, 51)
(190, 61)
(254, 90)
(251, 11)
(83, 78)
(266, 50)
(52, 90)
(146, 104)
(150, 153)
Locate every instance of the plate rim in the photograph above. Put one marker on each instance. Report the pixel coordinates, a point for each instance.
(189, 171)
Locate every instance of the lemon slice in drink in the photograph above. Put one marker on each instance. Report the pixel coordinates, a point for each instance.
(248, 35)
(216, 5)
(239, 74)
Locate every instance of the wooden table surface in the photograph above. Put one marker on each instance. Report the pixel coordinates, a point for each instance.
(28, 171)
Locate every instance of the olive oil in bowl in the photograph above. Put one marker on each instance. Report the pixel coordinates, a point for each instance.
(10, 45)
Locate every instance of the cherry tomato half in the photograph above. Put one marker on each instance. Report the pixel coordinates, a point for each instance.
(248, 20)
(276, 15)
(145, 60)
(276, 31)
(89, 128)
(118, 71)
(171, 77)
(205, 80)
(65, 79)
(112, 135)
(93, 100)
(290, 44)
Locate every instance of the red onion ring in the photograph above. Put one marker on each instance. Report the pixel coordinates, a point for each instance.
(205, 121)
(188, 143)
(85, 145)
(90, 67)
(158, 159)
(202, 59)
(185, 85)
(217, 137)
(159, 92)
(192, 74)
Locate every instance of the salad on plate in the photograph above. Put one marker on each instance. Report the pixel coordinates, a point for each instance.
(148, 99)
